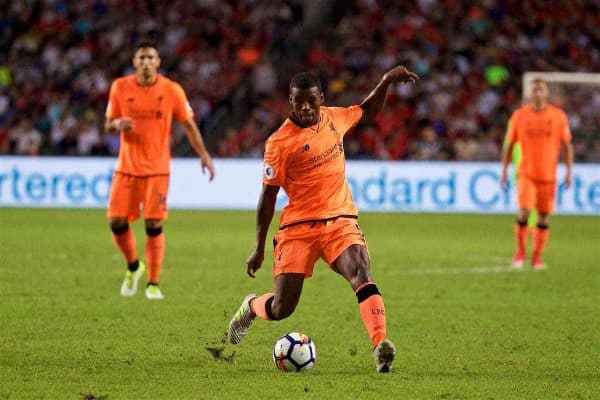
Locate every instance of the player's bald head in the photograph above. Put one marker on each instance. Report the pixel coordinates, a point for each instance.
(539, 90)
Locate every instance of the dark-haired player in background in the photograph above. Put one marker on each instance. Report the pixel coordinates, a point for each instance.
(305, 156)
(141, 106)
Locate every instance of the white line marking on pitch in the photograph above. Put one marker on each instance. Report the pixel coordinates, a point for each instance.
(453, 271)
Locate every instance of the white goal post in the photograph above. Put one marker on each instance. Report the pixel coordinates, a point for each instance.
(560, 77)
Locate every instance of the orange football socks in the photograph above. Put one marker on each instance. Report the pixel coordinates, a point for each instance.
(372, 311)
(260, 307)
(521, 232)
(125, 241)
(155, 253)
(540, 238)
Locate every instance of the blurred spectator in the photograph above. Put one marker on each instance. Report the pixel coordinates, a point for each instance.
(69, 143)
(427, 146)
(25, 138)
(466, 148)
(88, 135)
(264, 78)
(489, 145)
(4, 141)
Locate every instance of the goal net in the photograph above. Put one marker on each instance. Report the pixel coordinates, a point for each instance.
(579, 95)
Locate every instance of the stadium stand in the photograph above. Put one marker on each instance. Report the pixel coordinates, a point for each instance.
(58, 57)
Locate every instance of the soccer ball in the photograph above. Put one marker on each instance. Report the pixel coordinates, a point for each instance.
(294, 352)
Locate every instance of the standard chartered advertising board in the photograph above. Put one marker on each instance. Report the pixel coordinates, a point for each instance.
(376, 185)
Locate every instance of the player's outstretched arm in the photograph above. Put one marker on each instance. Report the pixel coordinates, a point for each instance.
(195, 138)
(375, 101)
(264, 216)
(506, 158)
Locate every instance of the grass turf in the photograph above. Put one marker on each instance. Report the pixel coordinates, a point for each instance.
(464, 325)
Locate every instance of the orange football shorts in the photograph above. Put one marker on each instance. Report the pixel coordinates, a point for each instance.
(298, 247)
(131, 194)
(539, 194)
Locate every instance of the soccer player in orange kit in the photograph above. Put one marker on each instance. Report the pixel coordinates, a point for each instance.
(541, 129)
(305, 156)
(141, 107)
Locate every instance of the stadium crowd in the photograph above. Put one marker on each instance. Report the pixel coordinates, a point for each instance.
(58, 58)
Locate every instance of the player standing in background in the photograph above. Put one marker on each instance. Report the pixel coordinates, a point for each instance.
(540, 128)
(305, 156)
(141, 106)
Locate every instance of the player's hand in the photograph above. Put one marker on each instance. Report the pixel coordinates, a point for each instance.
(567, 182)
(254, 262)
(400, 74)
(124, 124)
(504, 180)
(207, 165)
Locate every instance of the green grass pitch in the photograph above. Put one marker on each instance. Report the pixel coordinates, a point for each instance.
(464, 325)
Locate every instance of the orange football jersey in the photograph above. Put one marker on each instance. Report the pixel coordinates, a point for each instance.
(145, 150)
(540, 134)
(309, 164)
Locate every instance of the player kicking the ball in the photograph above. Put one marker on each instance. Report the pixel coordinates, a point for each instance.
(305, 156)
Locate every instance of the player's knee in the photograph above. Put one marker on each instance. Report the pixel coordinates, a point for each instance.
(522, 221)
(118, 225)
(153, 223)
(360, 274)
(542, 223)
(523, 217)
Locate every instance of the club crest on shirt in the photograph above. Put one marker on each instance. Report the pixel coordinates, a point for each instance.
(333, 129)
(268, 171)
